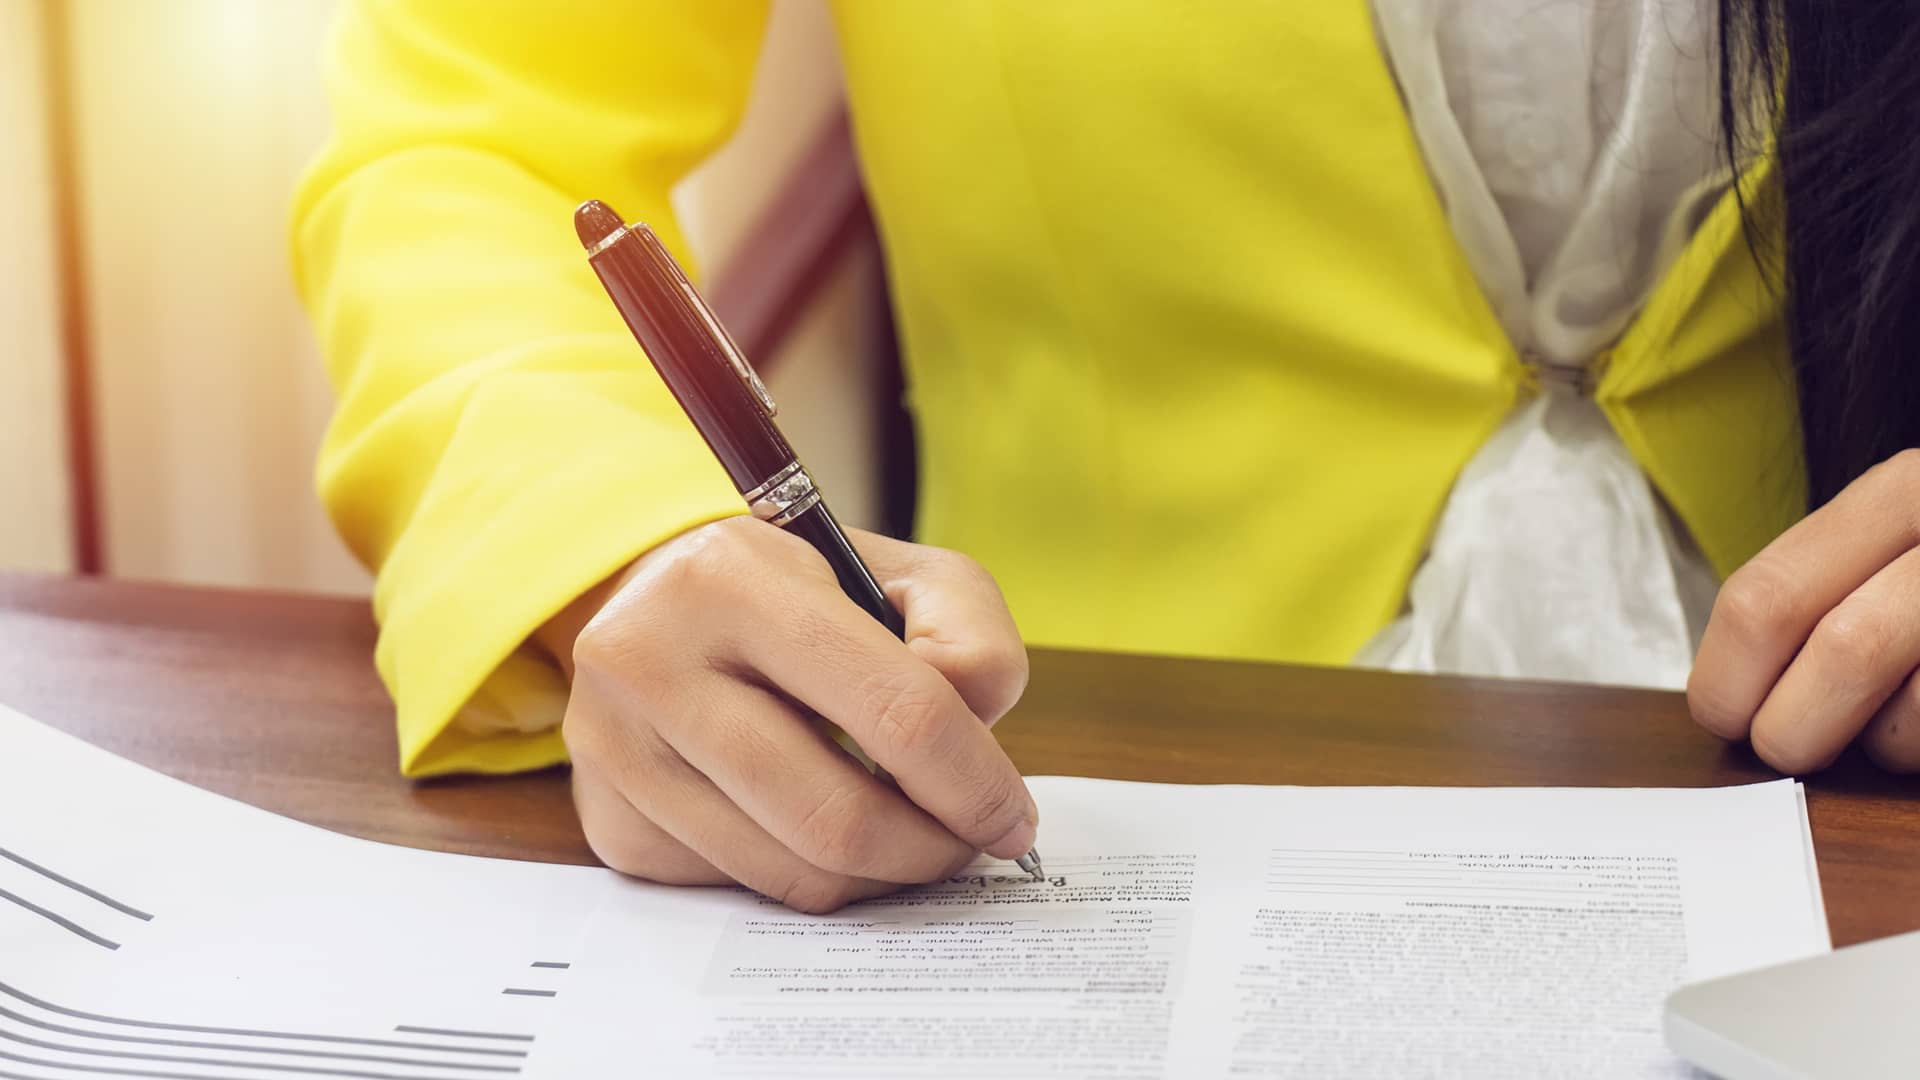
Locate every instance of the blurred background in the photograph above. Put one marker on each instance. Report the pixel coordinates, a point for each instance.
(160, 393)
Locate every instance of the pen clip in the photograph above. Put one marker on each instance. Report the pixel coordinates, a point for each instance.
(734, 358)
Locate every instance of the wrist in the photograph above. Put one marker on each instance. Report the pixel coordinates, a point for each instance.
(556, 636)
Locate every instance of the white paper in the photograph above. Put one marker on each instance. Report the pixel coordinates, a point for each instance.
(1184, 931)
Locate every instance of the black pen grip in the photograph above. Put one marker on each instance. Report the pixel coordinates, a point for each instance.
(817, 527)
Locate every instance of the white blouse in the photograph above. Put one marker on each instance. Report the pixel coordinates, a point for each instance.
(1573, 143)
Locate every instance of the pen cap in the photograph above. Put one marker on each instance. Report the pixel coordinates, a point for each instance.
(694, 354)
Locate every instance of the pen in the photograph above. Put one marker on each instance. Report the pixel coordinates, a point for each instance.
(726, 401)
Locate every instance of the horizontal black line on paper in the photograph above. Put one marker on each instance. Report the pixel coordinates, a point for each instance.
(192, 1044)
(56, 919)
(124, 909)
(414, 1029)
(154, 1025)
(230, 1063)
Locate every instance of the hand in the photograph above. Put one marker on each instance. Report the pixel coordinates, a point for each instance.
(1815, 641)
(696, 759)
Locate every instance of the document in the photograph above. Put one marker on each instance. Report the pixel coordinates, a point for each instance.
(149, 929)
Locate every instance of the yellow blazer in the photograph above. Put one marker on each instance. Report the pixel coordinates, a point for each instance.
(1193, 352)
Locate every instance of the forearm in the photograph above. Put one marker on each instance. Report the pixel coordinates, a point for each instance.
(499, 447)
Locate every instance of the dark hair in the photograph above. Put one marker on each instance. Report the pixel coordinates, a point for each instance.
(1836, 85)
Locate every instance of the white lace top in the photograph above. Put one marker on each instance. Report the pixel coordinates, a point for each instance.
(1573, 142)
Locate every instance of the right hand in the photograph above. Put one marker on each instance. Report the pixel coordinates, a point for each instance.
(696, 759)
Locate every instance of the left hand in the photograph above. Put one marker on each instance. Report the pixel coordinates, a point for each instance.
(1815, 642)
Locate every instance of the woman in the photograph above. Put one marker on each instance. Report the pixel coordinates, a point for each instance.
(1430, 333)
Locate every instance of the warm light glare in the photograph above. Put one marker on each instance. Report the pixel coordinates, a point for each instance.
(235, 41)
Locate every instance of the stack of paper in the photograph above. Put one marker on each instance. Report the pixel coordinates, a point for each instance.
(149, 929)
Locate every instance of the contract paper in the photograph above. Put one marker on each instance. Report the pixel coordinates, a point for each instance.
(149, 929)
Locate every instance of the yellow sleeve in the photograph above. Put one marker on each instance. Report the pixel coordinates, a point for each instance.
(500, 443)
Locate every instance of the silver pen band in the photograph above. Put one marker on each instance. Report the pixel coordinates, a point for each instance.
(783, 496)
(770, 483)
(607, 241)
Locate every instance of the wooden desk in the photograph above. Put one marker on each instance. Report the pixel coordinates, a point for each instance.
(273, 700)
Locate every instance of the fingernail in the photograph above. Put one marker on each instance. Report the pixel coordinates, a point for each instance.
(1018, 840)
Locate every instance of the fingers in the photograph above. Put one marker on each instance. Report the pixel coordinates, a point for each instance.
(957, 621)
(794, 782)
(625, 840)
(1854, 660)
(1769, 608)
(694, 812)
(908, 717)
(669, 799)
(1892, 737)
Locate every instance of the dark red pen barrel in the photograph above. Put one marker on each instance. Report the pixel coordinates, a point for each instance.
(719, 393)
(683, 350)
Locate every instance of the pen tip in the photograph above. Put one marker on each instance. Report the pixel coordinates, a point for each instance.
(594, 221)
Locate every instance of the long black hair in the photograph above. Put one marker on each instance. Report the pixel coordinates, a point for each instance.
(1836, 85)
